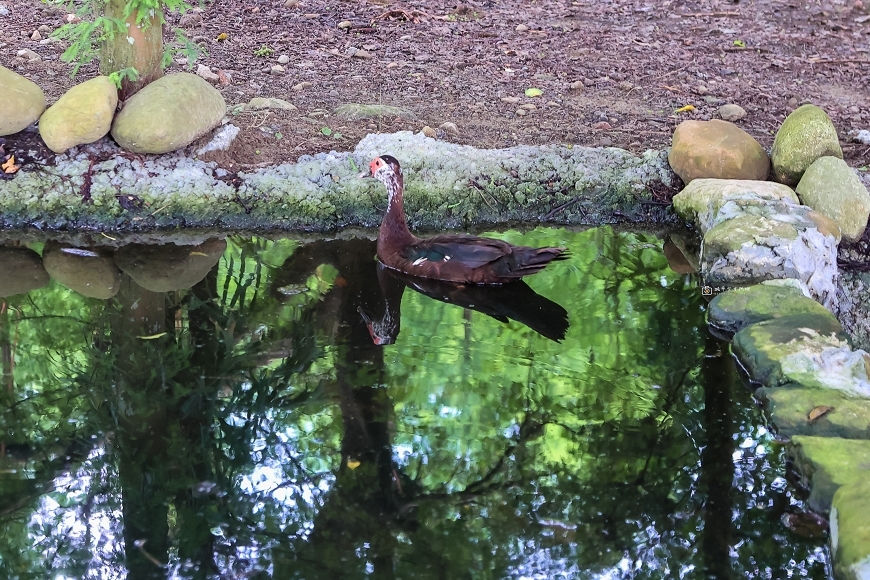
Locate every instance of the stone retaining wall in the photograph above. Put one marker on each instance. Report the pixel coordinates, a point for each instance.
(447, 186)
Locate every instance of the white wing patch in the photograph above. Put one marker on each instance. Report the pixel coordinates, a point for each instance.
(446, 258)
(418, 261)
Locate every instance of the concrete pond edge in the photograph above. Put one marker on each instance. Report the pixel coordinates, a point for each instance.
(770, 266)
(99, 187)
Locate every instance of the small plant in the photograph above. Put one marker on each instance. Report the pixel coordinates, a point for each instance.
(327, 132)
(126, 36)
(264, 51)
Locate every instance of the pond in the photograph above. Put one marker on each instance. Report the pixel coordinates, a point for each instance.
(268, 408)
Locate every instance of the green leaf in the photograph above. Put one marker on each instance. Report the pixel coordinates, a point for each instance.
(533, 92)
(337, 136)
(326, 131)
(740, 43)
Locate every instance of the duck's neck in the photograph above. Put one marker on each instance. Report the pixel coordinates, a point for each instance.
(394, 228)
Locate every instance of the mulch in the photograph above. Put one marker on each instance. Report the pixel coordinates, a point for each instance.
(611, 72)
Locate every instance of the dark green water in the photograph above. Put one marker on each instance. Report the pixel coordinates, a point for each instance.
(249, 427)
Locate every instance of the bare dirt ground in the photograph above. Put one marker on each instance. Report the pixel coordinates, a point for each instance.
(611, 72)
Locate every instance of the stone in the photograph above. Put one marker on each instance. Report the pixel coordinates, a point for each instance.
(23, 102)
(205, 72)
(731, 112)
(850, 531)
(733, 234)
(357, 111)
(168, 114)
(521, 28)
(82, 115)
(716, 149)
(91, 274)
(449, 128)
(283, 59)
(701, 200)
(429, 132)
(276, 69)
(28, 54)
(734, 310)
(830, 187)
(258, 103)
(805, 135)
(169, 267)
(36, 35)
(789, 409)
(22, 271)
(808, 349)
(827, 463)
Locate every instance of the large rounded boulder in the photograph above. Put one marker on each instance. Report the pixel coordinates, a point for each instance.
(830, 187)
(806, 135)
(92, 274)
(716, 149)
(169, 267)
(82, 115)
(168, 114)
(22, 271)
(23, 102)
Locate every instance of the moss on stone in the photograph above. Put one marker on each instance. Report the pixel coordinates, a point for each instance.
(762, 346)
(828, 463)
(789, 409)
(850, 531)
(447, 186)
(735, 309)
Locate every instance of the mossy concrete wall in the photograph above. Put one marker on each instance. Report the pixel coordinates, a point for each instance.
(447, 186)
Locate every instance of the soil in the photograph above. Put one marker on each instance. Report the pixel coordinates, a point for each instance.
(610, 72)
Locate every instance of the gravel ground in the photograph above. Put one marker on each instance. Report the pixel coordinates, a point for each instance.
(611, 72)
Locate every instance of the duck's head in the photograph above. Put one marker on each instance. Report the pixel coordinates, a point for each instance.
(384, 168)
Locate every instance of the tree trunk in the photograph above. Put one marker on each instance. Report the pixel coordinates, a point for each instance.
(140, 48)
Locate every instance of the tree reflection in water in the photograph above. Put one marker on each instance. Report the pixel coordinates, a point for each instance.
(248, 427)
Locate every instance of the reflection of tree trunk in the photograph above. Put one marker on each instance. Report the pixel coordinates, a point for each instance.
(717, 467)
(361, 507)
(7, 355)
(143, 435)
(194, 537)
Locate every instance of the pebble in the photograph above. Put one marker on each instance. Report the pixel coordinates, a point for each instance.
(429, 132)
(511, 100)
(311, 16)
(291, 3)
(450, 128)
(363, 54)
(3, 10)
(71, 19)
(283, 59)
(793, 103)
(393, 64)
(578, 86)
(528, 107)
(204, 72)
(45, 29)
(521, 28)
(601, 125)
(731, 112)
(605, 141)
(302, 85)
(521, 112)
(350, 51)
(626, 86)
(345, 24)
(36, 35)
(276, 69)
(28, 54)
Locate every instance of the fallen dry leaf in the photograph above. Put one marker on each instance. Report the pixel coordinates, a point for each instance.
(817, 412)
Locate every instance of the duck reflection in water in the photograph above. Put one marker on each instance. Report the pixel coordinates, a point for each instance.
(513, 301)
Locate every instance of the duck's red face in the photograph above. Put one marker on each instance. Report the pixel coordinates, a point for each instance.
(376, 164)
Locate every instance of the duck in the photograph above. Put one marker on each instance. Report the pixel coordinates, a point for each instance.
(516, 301)
(458, 258)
